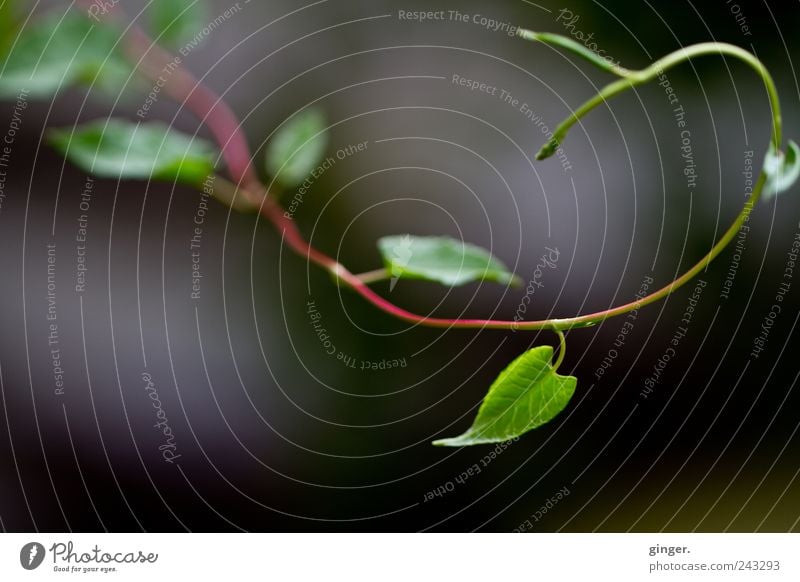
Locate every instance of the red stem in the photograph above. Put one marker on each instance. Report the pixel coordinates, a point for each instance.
(167, 70)
(295, 240)
(202, 101)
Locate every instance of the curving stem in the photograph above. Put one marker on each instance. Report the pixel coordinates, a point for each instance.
(213, 111)
(631, 79)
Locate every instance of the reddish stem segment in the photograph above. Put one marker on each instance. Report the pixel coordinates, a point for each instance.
(165, 69)
(295, 240)
(202, 101)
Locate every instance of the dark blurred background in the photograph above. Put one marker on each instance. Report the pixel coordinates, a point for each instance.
(270, 432)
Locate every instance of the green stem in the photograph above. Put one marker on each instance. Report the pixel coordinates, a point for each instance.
(629, 80)
(373, 276)
(632, 79)
(594, 318)
(562, 349)
(575, 47)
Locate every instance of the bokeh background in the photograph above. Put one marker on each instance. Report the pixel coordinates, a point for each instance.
(273, 433)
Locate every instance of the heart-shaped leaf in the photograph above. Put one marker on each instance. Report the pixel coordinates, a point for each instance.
(782, 170)
(297, 148)
(442, 259)
(60, 50)
(146, 151)
(178, 23)
(526, 395)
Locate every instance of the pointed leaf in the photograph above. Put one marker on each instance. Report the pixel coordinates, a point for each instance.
(782, 170)
(297, 148)
(526, 395)
(175, 22)
(61, 50)
(442, 259)
(575, 47)
(121, 149)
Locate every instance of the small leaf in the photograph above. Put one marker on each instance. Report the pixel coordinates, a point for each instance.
(297, 148)
(121, 149)
(442, 259)
(782, 170)
(526, 395)
(175, 22)
(61, 50)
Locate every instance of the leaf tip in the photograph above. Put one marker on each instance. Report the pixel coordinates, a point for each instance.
(547, 149)
(527, 394)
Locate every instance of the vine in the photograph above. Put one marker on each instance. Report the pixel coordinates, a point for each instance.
(529, 392)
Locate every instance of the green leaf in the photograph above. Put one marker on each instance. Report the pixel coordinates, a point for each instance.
(61, 50)
(297, 148)
(579, 49)
(442, 259)
(8, 25)
(121, 149)
(526, 395)
(174, 22)
(782, 170)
